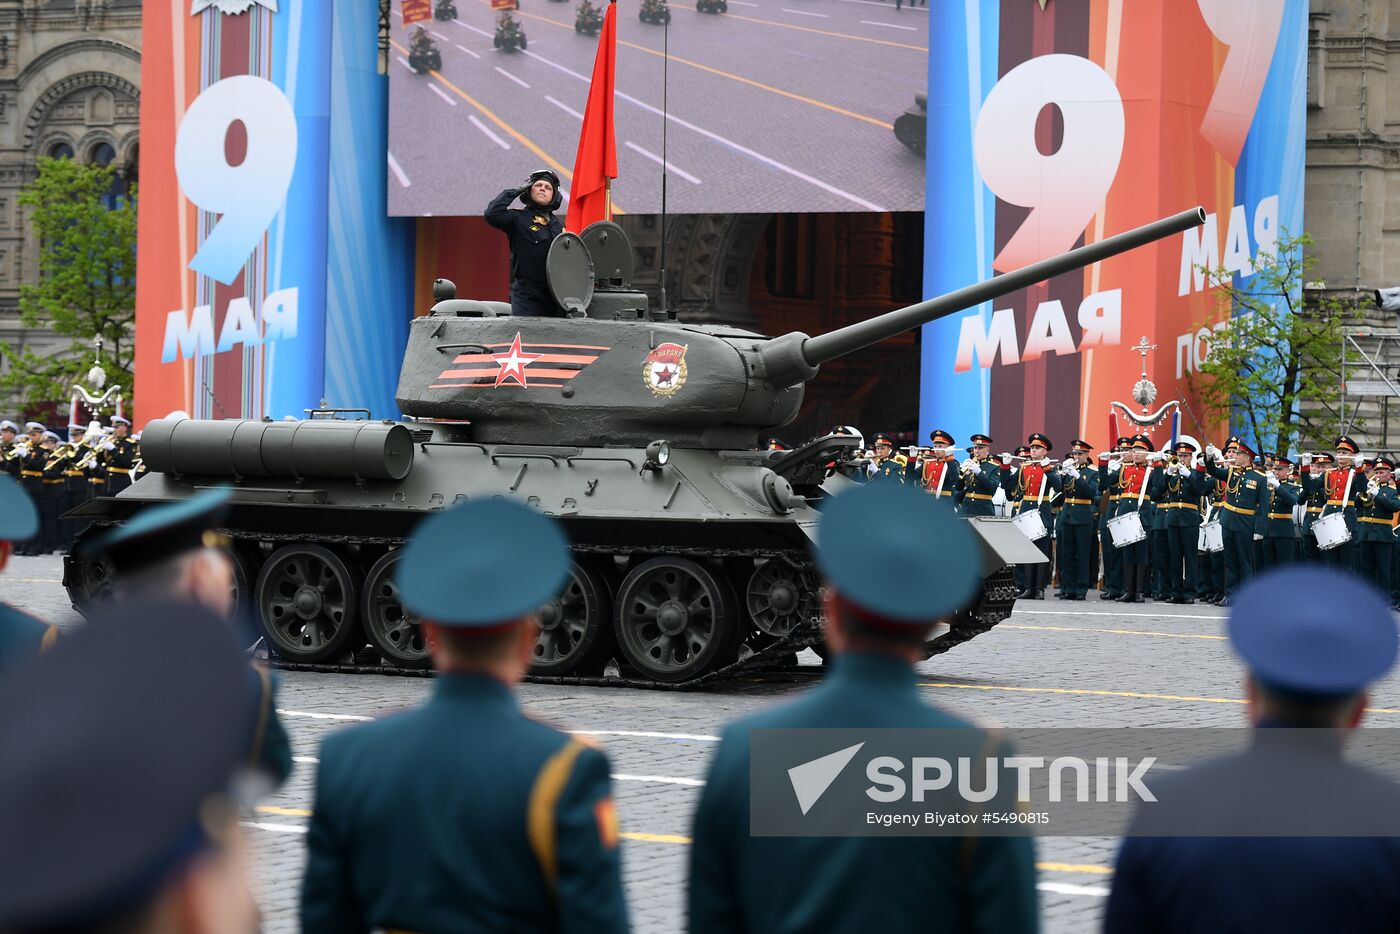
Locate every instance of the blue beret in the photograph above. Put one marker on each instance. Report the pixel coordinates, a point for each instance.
(483, 563)
(163, 531)
(111, 752)
(898, 553)
(1313, 631)
(18, 519)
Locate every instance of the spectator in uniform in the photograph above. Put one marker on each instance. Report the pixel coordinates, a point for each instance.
(22, 637)
(172, 554)
(1271, 839)
(885, 596)
(122, 776)
(465, 814)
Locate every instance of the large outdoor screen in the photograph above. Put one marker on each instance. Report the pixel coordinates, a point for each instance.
(773, 105)
(1056, 124)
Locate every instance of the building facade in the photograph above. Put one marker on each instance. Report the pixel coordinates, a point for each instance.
(70, 85)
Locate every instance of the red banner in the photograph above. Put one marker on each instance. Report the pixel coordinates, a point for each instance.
(415, 11)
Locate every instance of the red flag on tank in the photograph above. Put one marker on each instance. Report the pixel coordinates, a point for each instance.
(596, 162)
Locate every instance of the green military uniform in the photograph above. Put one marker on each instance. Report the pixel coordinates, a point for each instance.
(1074, 528)
(21, 635)
(465, 814)
(848, 884)
(520, 800)
(123, 776)
(1246, 492)
(9, 459)
(939, 474)
(32, 481)
(166, 533)
(1177, 490)
(1276, 524)
(1375, 533)
(118, 458)
(925, 568)
(1314, 498)
(51, 509)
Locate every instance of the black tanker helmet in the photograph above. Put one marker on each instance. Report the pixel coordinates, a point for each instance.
(550, 177)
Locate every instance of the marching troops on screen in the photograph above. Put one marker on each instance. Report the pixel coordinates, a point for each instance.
(60, 475)
(1204, 520)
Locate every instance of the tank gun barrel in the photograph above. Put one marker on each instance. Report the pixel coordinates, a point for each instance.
(786, 368)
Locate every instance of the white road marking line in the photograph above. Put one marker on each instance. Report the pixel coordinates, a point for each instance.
(804, 13)
(737, 147)
(487, 130)
(398, 172)
(742, 3)
(1064, 888)
(468, 51)
(404, 62)
(313, 715)
(512, 77)
(616, 776)
(657, 159)
(647, 734)
(480, 32)
(642, 734)
(660, 779)
(871, 22)
(1114, 615)
(275, 828)
(442, 94)
(564, 107)
(439, 35)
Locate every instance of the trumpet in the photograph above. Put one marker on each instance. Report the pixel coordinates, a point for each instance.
(20, 449)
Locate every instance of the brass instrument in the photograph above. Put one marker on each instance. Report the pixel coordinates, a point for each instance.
(18, 451)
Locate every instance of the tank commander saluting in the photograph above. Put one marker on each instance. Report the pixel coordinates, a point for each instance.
(530, 230)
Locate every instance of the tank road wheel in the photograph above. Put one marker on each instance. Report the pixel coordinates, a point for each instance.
(306, 604)
(780, 596)
(675, 619)
(244, 573)
(575, 633)
(391, 629)
(91, 587)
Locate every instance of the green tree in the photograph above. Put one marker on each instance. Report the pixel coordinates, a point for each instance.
(1274, 366)
(87, 282)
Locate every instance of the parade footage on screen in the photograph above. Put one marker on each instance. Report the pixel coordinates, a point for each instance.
(773, 105)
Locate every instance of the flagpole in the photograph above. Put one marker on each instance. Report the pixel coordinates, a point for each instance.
(607, 198)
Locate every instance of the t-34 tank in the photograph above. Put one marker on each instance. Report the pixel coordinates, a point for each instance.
(635, 430)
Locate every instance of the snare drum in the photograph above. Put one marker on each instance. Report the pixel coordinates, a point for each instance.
(1031, 525)
(1126, 529)
(1331, 530)
(1213, 537)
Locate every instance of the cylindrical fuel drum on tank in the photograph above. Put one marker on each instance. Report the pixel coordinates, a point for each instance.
(246, 448)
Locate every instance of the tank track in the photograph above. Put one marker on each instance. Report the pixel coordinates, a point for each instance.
(771, 662)
(996, 603)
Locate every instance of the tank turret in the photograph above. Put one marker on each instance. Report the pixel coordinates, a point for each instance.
(617, 372)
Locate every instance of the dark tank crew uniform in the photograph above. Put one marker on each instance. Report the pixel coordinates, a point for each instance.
(530, 231)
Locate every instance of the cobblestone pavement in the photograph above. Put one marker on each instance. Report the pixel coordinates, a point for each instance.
(1051, 665)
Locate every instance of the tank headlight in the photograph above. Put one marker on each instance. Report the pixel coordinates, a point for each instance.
(658, 453)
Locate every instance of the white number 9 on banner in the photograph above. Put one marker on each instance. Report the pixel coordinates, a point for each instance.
(1065, 188)
(247, 195)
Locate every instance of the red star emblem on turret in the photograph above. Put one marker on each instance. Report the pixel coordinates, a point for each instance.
(513, 362)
